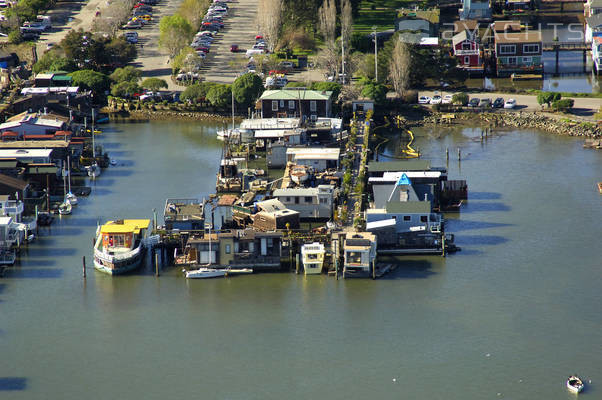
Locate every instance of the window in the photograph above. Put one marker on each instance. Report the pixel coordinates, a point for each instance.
(466, 46)
(530, 48)
(407, 217)
(296, 200)
(308, 199)
(512, 60)
(423, 218)
(291, 104)
(288, 199)
(527, 60)
(314, 117)
(313, 105)
(323, 201)
(281, 103)
(466, 60)
(507, 49)
(228, 249)
(274, 105)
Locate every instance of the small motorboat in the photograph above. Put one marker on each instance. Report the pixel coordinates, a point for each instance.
(600, 187)
(71, 198)
(574, 384)
(204, 273)
(113, 161)
(93, 170)
(65, 208)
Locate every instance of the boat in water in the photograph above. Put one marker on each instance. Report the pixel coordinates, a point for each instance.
(574, 384)
(299, 174)
(93, 170)
(65, 207)
(600, 187)
(312, 256)
(113, 161)
(119, 246)
(204, 273)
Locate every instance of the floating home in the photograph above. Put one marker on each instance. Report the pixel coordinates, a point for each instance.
(184, 214)
(311, 203)
(245, 248)
(359, 254)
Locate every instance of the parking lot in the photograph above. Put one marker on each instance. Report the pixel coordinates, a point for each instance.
(240, 27)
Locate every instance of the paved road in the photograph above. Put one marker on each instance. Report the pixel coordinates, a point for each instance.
(240, 27)
(584, 107)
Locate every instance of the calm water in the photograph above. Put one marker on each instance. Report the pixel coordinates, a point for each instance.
(513, 313)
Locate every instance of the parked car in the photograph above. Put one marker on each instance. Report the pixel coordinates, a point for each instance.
(234, 48)
(510, 103)
(424, 100)
(474, 102)
(436, 99)
(498, 103)
(485, 103)
(131, 37)
(251, 52)
(447, 99)
(132, 25)
(287, 65)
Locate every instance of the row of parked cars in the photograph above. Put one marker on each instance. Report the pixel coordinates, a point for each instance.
(142, 14)
(212, 23)
(474, 102)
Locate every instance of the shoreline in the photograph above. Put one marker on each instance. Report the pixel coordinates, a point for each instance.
(555, 124)
(168, 115)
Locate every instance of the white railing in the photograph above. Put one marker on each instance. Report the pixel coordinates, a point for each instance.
(111, 258)
(466, 52)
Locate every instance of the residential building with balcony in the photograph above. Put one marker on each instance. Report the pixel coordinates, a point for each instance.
(467, 51)
(597, 53)
(518, 52)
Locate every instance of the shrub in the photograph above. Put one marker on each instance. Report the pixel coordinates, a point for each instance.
(563, 105)
(460, 98)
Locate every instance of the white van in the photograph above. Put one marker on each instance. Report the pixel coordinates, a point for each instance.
(252, 52)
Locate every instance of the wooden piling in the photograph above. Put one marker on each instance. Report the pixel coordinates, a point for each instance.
(459, 154)
(447, 153)
(156, 263)
(84, 265)
(297, 264)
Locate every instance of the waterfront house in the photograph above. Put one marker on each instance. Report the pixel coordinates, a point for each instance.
(273, 215)
(477, 10)
(311, 203)
(295, 103)
(518, 52)
(183, 214)
(10, 237)
(52, 79)
(467, 50)
(597, 53)
(33, 124)
(593, 27)
(12, 189)
(238, 248)
(319, 158)
(592, 7)
(359, 253)
(417, 26)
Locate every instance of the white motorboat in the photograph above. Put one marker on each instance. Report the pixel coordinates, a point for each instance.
(312, 256)
(299, 174)
(70, 196)
(113, 161)
(65, 207)
(120, 245)
(204, 273)
(93, 170)
(574, 384)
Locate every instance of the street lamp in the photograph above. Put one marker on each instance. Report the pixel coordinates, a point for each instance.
(375, 54)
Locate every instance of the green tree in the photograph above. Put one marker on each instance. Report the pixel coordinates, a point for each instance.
(90, 79)
(154, 84)
(375, 91)
(563, 105)
(220, 95)
(85, 51)
(125, 89)
(247, 88)
(175, 33)
(197, 92)
(333, 87)
(120, 51)
(460, 98)
(186, 59)
(126, 74)
(62, 64)
(15, 37)
(46, 61)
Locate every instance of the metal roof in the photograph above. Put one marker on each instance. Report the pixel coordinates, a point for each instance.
(385, 223)
(314, 153)
(295, 192)
(389, 177)
(402, 165)
(518, 37)
(409, 207)
(288, 94)
(19, 153)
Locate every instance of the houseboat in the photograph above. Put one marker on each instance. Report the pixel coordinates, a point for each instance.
(359, 254)
(119, 245)
(312, 256)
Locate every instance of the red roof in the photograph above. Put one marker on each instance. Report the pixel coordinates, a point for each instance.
(38, 137)
(598, 39)
(10, 134)
(62, 133)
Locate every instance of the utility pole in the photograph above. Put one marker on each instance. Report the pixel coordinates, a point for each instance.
(343, 59)
(375, 54)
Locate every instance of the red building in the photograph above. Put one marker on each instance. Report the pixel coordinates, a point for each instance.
(467, 51)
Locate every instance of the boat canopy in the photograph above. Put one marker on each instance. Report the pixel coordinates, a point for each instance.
(125, 226)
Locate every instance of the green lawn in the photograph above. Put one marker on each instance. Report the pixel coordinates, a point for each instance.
(378, 12)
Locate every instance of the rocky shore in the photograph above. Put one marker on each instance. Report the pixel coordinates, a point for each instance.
(559, 125)
(167, 115)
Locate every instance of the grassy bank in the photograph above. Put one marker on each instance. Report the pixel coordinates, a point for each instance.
(380, 13)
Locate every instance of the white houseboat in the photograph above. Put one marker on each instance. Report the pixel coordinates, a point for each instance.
(312, 256)
(119, 245)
